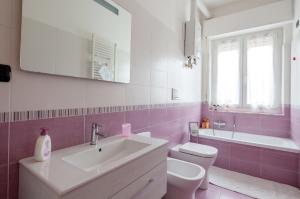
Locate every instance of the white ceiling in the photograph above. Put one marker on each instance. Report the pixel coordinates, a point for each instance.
(211, 4)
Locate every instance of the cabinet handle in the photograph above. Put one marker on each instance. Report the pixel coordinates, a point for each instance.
(150, 181)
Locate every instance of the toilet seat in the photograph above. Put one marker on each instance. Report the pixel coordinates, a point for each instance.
(198, 150)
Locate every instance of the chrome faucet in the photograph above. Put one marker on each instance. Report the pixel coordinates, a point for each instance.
(234, 126)
(96, 133)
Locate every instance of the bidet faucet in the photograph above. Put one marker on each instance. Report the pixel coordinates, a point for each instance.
(96, 133)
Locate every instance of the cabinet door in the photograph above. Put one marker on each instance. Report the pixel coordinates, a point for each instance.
(153, 185)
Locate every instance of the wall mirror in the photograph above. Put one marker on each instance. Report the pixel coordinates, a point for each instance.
(78, 38)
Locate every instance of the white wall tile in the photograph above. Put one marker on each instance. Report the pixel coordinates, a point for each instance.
(33, 91)
(4, 96)
(159, 78)
(137, 94)
(5, 45)
(6, 12)
(157, 63)
(100, 93)
(295, 69)
(140, 75)
(159, 95)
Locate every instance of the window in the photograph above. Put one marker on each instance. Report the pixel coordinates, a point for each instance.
(246, 71)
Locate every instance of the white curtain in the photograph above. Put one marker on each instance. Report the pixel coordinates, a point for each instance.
(228, 73)
(263, 74)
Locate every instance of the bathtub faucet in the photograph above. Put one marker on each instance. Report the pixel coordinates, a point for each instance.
(234, 126)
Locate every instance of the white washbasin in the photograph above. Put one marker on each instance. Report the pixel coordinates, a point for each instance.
(109, 154)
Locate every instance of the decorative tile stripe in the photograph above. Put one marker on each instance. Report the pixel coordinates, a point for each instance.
(4, 117)
(60, 113)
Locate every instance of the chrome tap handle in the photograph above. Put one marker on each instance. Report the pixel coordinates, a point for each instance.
(95, 133)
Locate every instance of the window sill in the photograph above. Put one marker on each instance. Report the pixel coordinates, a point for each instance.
(275, 112)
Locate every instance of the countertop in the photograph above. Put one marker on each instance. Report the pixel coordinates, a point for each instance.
(63, 177)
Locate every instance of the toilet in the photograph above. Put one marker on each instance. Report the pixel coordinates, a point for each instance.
(184, 179)
(199, 154)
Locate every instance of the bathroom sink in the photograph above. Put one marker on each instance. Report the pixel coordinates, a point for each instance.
(105, 154)
(86, 170)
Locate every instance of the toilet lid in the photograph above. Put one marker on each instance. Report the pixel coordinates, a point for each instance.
(198, 150)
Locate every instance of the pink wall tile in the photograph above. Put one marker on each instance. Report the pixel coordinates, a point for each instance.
(3, 181)
(111, 124)
(278, 124)
(159, 131)
(295, 125)
(13, 181)
(247, 123)
(222, 163)
(280, 159)
(138, 119)
(270, 125)
(245, 153)
(64, 132)
(280, 175)
(157, 116)
(173, 113)
(279, 166)
(4, 143)
(175, 139)
(295, 132)
(246, 167)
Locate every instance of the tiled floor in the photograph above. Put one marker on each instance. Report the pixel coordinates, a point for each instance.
(214, 192)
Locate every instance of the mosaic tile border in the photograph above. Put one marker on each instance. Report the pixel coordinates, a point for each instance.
(73, 112)
(4, 117)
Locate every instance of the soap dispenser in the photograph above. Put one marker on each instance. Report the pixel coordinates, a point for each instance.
(42, 150)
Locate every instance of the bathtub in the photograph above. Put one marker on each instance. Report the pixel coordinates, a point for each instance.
(275, 143)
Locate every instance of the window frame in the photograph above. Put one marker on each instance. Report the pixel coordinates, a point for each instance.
(242, 38)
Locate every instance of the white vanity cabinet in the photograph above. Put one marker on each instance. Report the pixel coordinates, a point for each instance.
(143, 177)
